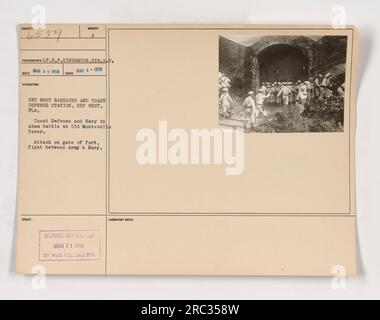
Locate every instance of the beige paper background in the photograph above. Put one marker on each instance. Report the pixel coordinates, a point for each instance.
(171, 75)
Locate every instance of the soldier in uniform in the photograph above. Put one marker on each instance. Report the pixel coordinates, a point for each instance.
(291, 96)
(272, 98)
(310, 90)
(298, 85)
(317, 86)
(225, 81)
(293, 87)
(303, 86)
(302, 95)
(220, 83)
(225, 101)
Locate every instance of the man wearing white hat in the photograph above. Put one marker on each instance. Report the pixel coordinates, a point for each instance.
(249, 106)
(285, 92)
(277, 89)
(260, 98)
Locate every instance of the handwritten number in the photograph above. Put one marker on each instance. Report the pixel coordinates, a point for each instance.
(47, 34)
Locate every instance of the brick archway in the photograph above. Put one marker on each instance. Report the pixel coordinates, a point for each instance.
(303, 44)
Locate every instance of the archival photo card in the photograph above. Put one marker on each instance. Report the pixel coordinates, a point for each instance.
(282, 83)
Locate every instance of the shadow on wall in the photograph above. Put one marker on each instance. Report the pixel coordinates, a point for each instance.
(282, 62)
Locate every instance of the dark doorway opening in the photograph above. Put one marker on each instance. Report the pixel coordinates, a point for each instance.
(282, 62)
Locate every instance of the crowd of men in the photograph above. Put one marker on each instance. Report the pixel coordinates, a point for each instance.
(317, 89)
(301, 94)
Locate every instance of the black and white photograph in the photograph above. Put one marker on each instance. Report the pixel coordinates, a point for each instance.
(289, 84)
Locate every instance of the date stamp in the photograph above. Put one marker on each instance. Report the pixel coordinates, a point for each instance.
(70, 245)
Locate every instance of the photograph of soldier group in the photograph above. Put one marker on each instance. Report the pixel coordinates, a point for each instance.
(304, 96)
